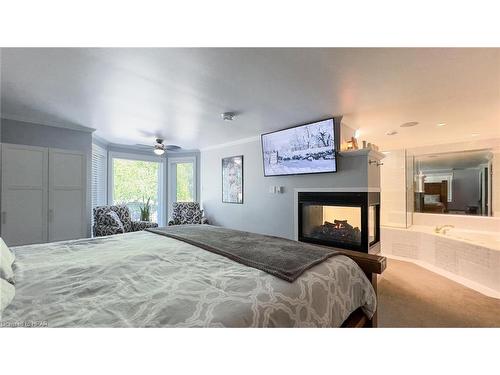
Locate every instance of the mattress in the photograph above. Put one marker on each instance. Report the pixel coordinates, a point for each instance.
(143, 279)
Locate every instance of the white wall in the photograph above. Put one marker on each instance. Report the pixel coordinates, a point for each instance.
(465, 189)
(263, 212)
(495, 184)
(393, 189)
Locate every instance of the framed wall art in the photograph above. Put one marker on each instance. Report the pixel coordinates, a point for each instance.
(232, 179)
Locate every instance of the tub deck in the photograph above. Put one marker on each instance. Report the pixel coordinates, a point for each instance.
(469, 257)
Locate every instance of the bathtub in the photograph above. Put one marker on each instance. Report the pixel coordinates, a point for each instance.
(485, 239)
(470, 257)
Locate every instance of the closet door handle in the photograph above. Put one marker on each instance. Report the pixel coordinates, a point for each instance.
(51, 215)
(4, 217)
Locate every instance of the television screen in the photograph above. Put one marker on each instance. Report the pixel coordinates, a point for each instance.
(303, 149)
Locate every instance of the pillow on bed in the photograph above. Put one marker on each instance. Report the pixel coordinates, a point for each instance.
(6, 261)
(7, 292)
(432, 198)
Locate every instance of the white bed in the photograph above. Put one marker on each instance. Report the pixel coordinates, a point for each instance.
(143, 279)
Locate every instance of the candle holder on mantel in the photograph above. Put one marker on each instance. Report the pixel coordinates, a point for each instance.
(352, 144)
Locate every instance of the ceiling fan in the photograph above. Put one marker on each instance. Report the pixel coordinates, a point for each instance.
(159, 147)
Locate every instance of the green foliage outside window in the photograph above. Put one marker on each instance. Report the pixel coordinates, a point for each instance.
(134, 182)
(185, 182)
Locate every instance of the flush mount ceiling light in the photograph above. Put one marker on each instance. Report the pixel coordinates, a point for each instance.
(408, 124)
(474, 134)
(392, 132)
(228, 116)
(441, 124)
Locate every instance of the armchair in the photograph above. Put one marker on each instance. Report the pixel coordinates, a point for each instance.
(110, 220)
(187, 213)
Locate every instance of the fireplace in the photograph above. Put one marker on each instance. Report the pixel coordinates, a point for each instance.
(348, 220)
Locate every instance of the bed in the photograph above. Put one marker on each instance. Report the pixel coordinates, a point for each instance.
(436, 197)
(144, 279)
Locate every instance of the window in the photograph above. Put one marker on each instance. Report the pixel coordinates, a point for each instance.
(184, 184)
(182, 180)
(99, 176)
(135, 180)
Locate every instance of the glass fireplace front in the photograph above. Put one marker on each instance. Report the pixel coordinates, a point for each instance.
(332, 223)
(349, 220)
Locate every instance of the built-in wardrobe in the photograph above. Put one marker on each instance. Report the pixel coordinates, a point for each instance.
(43, 194)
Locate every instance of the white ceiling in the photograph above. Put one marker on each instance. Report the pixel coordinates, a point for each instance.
(130, 95)
(454, 160)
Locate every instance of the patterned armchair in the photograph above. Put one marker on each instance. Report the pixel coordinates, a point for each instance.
(187, 213)
(116, 219)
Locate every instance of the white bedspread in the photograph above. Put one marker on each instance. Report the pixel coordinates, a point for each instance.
(143, 279)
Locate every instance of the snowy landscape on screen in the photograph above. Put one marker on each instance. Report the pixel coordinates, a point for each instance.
(304, 149)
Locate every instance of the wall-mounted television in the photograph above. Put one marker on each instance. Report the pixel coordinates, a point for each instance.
(302, 149)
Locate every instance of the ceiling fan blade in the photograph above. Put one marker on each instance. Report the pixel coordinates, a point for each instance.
(151, 134)
(169, 148)
(173, 148)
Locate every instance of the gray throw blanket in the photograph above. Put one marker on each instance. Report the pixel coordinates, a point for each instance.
(280, 257)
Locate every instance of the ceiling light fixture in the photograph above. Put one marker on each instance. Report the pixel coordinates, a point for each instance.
(159, 151)
(408, 124)
(441, 124)
(474, 134)
(159, 147)
(392, 132)
(228, 116)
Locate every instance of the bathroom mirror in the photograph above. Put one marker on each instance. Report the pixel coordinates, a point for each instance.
(457, 183)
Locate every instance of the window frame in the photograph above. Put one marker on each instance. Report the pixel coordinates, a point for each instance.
(172, 179)
(140, 157)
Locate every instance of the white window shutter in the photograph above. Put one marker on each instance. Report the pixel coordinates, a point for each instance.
(99, 176)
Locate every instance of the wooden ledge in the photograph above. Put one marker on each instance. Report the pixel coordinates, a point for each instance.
(369, 263)
(357, 319)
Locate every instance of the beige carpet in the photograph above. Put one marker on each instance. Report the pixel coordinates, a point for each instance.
(411, 296)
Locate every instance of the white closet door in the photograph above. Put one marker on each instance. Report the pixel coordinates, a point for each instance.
(24, 194)
(67, 191)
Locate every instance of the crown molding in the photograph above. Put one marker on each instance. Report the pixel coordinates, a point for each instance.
(66, 125)
(142, 150)
(100, 141)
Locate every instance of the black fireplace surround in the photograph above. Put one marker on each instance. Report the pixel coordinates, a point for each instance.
(348, 220)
